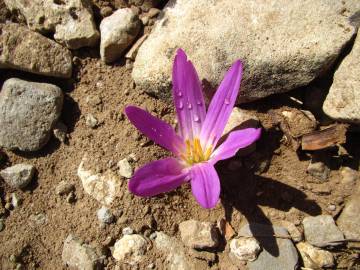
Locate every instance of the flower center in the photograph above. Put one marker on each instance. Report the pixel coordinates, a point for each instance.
(194, 152)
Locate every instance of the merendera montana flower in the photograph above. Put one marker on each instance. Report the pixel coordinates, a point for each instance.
(196, 146)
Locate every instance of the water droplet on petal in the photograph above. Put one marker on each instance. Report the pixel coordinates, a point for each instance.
(181, 105)
(198, 103)
(189, 106)
(227, 101)
(179, 94)
(196, 118)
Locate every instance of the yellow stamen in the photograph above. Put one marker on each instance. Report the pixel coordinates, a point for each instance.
(194, 152)
(208, 153)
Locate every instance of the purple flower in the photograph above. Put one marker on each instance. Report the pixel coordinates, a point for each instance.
(196, 146)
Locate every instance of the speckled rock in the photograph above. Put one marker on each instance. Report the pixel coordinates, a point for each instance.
(80, 256)
(28, 113)
(244, 249)
(269, 36)
(71, 21)
(342, 102)
(199, 235)
(118, 31)
(29, 51)
(130, 249)
(102, 187)
(315, 258)
(174, 251)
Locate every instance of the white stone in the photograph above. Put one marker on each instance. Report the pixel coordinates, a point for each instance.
(174, 251)
(19, 175)
(78, 255)
(315, 258)
(102, 187)
(91, 121)
(130, 248)
(127, 231)
(343, 99)
(125, 169)
(118, 31)
(104, 215)
(282, 43)
(244, 249)
(71, 21)
(199, 235)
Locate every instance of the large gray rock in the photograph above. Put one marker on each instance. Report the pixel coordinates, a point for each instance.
(118, 31)
(342, 102)
(28, 112)
(23, 49)
(284, 44)
(19, 175)
(321, 231)
(71, 21)
(80, 256)
(277, 253)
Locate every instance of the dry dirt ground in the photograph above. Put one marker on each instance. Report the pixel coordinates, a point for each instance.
(268, 186)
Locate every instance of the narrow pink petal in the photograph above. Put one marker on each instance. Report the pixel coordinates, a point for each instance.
(205, 184)
(155, 129)
(188, 97)
(235, 141)
(221, 106)
(157, 177)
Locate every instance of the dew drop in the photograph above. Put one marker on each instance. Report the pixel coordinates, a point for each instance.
(198, 103)
(189, 106)
(227, 101)
(181, 105)
(179, 94)
(196, 118)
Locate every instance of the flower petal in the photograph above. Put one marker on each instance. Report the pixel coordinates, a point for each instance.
(205, 184)
(236, 140)
(157, 177)
(188, 97)
(155, 129)
(221, 106)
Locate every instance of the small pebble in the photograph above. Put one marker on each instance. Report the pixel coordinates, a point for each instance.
(8, 206)
(71, 197)
(125, 169)
(15, 200)
(106, 11)
(332, 207)
(64, 188)
(151, 266)
(105, 215)
(127, 231)
(2, 225)
(91, 121)
(60, 131)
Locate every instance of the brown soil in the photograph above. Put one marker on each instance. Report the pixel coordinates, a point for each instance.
(268, 186)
